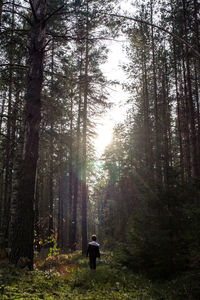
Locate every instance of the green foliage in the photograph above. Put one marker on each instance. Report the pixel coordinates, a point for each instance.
(54, 250)
(164, 237)
(111, 281)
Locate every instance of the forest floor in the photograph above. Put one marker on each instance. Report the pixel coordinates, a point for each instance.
(69, 277)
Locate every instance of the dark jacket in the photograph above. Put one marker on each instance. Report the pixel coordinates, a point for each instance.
(93, 249)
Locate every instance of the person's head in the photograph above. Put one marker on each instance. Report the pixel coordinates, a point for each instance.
(94, 237)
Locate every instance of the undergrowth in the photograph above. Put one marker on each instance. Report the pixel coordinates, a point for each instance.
(69, 277)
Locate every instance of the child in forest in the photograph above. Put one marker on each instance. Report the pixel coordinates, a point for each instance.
(93, 252)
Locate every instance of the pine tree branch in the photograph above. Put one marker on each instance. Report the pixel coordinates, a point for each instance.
(176, 37)
(15, 30)
(19, 14)
(13, 65)
(53, 13)
(33, 10)
(17, 5)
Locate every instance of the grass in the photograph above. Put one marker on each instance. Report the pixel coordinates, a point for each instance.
(69, 277)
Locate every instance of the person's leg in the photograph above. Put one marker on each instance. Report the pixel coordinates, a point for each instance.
(94, 265)
(91, 263)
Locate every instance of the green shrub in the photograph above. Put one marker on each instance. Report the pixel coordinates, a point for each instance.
(165, 236)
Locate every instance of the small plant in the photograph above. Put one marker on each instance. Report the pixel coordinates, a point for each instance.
(53, 250)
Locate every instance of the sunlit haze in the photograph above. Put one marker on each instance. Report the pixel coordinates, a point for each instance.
(104, 136)
(118, 97)
(113, 71)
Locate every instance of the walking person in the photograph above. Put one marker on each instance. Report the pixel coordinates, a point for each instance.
(93, 252)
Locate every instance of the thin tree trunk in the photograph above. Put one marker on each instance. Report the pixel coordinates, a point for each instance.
(166, 127)
(148, 147)
(197, 76)
(36, 215)
(178, 116)
(51, 182)
(196, 25)
(60, 209)
(1, 177)
(22, 246)
(1, 8)
(195, 162)
(77, 164)
(84, 154)
(15, 115)
(2, 113)
(71, 176)
(156, 117)
(198, 109)
(51, 166)
(8, 170)
(63, 224)
(186, 126)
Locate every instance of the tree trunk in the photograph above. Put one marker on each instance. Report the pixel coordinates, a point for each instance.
(22, 246)
(51, 166)
(166, 128)
(60, 210)
(61, 195)
(15, 114)
(186, 126)
(148, 146)
(156, 117)
(2, 112)
(51, 182)
(1, 176)
(71, 181)
(77, 165)
(197, 76)
(178, 116)
(195, 162)
(84, 154)
(1, 7)
(198, 109)
(8, 170)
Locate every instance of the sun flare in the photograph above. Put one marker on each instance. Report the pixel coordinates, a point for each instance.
(104, 136)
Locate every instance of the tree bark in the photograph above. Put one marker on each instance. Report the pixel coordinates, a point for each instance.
(195, 162)
(60, 210)
(71, 176)
(1, 8)
(62, 240)
(22, 245)
(2, 112)
(148, 146)
(1, 176)
(8, 169)
(84, 154)
(186, 125)
(77, 163)
(178, 116)
(156, 116)
(51, 163)
(197, 76)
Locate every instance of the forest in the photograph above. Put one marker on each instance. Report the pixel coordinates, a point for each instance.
(142, 196)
